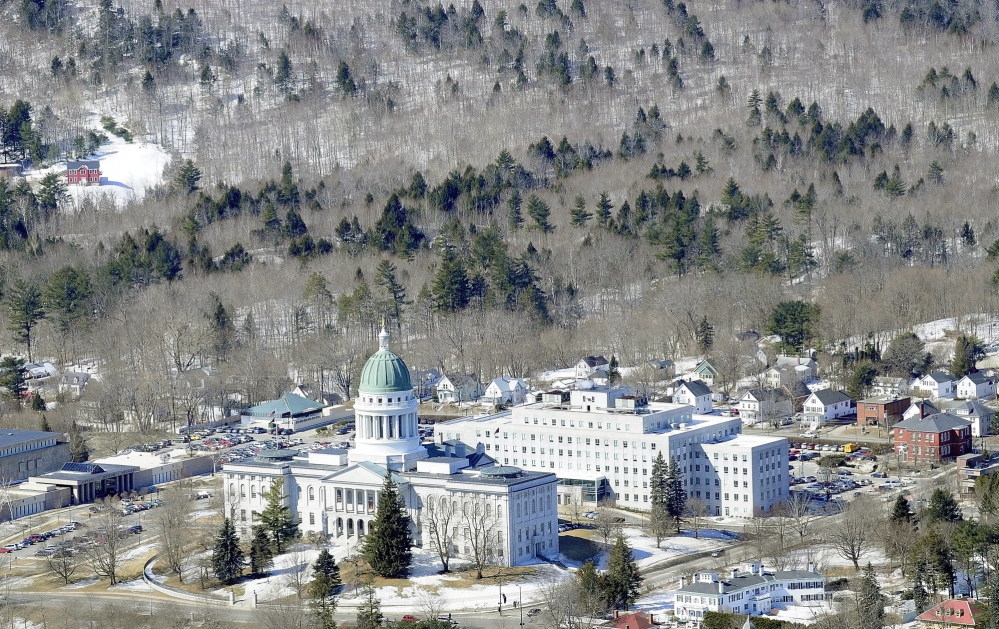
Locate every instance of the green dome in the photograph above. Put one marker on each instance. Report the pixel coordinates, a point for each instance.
(385, 372)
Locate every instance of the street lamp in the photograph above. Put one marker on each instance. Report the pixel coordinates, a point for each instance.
(520, 604)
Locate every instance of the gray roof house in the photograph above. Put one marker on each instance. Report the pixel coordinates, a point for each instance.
(753, 590)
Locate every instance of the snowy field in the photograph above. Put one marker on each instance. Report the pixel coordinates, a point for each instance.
(127, 171)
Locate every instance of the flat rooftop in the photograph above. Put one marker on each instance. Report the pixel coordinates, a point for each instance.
(10, 437)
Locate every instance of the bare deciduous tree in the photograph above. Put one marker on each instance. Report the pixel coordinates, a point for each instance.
(105, 555)
(172, 518)
(695, 511)
(606, 522)
(64, 563)
(297, 572)
(479, 519)
(439, 522)
(851, 533)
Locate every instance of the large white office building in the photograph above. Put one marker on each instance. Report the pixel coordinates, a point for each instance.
(601, 443)
(507, 513)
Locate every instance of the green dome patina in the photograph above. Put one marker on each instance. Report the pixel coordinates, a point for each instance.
(385, 372)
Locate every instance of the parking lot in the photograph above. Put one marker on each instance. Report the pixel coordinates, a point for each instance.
(832, 486)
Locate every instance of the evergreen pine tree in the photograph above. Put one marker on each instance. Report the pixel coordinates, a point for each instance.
(388, 546)
(943, 507)
(604, 209)
(676, 497)
(708, 249)
(78, 450)
(659, 518)
(967, 351)
(622, 580)
(705, 334)
(578, 213)
(992, 591)
(322, 589)
(920, 597)
(539, 212)
(45, 427)
(870, 601)
(451, 289)
(24, 303)
(276, 518)
(592, 599)
(385, 277)
(513, 204)
(37, 402)
(261, 555)
(901, 510)
(227, 557)
(369, 614)
(13, 378)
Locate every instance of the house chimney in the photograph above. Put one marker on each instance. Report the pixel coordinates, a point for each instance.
(811, 567)
(721, 586)
(683, 581)
(735, 573)
(617, 613)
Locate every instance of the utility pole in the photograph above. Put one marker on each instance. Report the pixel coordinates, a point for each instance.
(520, 604)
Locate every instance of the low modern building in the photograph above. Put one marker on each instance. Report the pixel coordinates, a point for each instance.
(154, 468)
(89, 481)
(932, 439)
(292, 412)
(602, 442)
(881, 411)
(25, 453)
(751, 591)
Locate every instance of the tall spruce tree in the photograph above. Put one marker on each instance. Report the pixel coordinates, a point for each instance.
(227, 557)
(322, 589)
(943, 507)
(24, 303)
(277, 518)
(622, 580)
(388, 546)
(78, 450)
(659, 518)
(676, 496)
(261, 555)
(515, 218)
(870, 601)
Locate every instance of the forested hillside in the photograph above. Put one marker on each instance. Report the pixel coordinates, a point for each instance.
(510, 185)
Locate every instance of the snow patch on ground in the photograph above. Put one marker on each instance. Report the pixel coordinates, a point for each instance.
(140, 551)
(80, 584)
(127, 171)
(135, 585)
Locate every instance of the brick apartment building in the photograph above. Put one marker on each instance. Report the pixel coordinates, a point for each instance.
(881, 411)
(932, 439)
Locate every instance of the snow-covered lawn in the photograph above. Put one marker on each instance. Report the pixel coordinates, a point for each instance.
(646, 554)
(127, 171)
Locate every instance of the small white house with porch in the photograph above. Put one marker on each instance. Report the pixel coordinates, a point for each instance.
(751, 590)
(505, 391)
(826, 404)
(938, 384)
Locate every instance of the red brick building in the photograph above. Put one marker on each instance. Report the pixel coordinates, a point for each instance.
(83, 172)
(881, 411)
(932, 439)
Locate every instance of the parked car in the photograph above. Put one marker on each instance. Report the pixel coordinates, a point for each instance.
(879, 475)
(533, 612)
(410, 618)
